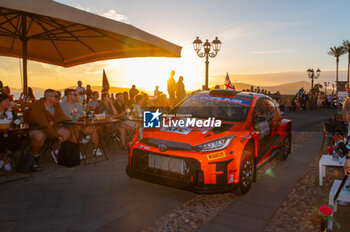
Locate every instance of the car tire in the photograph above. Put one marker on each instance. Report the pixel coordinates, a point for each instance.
(286, 146)
(247, 171)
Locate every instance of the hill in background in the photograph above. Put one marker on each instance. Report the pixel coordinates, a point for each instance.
(289, 88)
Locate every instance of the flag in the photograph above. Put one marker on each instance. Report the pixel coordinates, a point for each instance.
(105, 83)
(228, 84)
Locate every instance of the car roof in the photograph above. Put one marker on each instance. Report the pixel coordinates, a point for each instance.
(232, 93)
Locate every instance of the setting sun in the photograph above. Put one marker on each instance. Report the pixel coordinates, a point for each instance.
(146, 73)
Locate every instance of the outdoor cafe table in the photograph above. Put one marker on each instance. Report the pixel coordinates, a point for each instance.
(95, 124)
(22, 130)
(327, 160)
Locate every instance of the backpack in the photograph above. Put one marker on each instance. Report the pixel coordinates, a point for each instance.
(25, 164)
(69, 154)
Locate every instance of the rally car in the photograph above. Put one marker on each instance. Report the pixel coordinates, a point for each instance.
(190, 149)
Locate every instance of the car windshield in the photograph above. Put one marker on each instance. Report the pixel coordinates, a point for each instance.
(224, 108)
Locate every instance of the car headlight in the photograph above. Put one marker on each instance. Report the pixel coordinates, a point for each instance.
(216, 144)
(140, 134)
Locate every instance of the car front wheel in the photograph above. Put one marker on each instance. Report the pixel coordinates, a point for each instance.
(246, 171)
(286, 146)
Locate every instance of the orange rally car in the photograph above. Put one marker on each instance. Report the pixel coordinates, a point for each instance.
(213, 141)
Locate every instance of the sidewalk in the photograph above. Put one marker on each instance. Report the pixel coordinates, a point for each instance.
(253, 211)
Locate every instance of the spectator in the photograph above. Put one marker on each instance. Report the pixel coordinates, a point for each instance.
(81, 91)
(251, 88)
(88, 93)
(161, 102)
(133, 92)
(112, 97)
(127, 102)
(7, 91)
(156, 91)
(74, 110)
(146, 100)
(137, 109)
(59, 96)
(94, 102)
(171, 87)
(9, 143)
(31, 97)
(120, 106)
(203, 87)
(301, 91)
(48, 113)
(180, 89)
(217, 87)
(109, 109)
(297, 104)
(258, 89)
(1, 87)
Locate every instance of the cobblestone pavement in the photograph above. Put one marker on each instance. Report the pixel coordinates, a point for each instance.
(195, 213)
(296, 212)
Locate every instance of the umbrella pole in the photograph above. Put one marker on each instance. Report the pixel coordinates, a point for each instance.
(24, 56)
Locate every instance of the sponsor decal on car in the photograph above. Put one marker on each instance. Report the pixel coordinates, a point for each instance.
(225, 99)
(216, 155)
(143, 147)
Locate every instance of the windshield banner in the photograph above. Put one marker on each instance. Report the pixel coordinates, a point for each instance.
(225, 99)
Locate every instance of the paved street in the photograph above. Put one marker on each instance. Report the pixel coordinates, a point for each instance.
(102, 197)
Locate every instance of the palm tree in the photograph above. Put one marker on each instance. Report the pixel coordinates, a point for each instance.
(336, 52)
(346, 46)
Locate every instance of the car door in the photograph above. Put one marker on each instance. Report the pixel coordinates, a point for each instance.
(274, 117)
(262, 124)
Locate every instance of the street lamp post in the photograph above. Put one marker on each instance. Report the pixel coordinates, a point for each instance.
(333, 88)
(216, 46)
(325, 86)
(312, 76)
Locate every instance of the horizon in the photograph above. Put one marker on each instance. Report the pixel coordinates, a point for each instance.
(289, 43)
(288, 88)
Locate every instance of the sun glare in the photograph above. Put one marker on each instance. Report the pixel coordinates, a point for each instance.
(146, 73)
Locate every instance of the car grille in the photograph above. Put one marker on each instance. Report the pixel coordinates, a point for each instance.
(171, 145)
(181, 169)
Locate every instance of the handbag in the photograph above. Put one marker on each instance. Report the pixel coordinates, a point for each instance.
(25, 164)
(69, 154)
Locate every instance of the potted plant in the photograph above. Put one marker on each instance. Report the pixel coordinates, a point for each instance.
(325, 214)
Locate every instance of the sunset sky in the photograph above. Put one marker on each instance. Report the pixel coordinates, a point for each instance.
(258, 37)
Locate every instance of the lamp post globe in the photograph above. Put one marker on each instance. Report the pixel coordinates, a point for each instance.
(311, 74)
(215, 45)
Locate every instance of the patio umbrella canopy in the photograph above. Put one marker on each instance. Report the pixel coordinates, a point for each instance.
(53, 33)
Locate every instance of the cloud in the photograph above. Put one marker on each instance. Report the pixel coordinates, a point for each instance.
(277, 51)
(111, 14)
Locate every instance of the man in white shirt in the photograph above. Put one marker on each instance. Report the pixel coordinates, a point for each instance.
(74, 110)
(81, 91)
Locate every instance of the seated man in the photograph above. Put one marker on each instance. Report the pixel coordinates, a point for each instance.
(9, 142)
(49, 114)
(73, 110)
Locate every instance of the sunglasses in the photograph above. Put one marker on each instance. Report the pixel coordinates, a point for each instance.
(55, 96)
(74, 94)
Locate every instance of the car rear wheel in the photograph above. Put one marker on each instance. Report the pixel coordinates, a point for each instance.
(247, 170)
(286, 146)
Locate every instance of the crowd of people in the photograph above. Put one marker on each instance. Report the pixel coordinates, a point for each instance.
(311, 100)
(53, 109)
